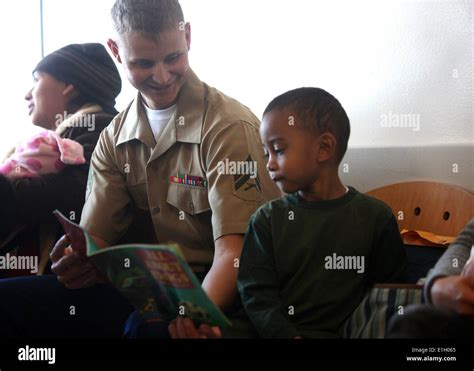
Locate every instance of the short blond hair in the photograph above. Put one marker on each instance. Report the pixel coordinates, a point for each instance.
(148, 17)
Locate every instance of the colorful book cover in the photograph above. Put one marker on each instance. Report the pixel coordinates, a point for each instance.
(155, 278)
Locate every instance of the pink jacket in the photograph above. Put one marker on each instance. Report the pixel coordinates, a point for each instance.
(45, 153)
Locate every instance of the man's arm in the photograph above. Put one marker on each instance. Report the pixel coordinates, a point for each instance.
(257, 282)
(220, 283)
(107, 210)
(105, 214)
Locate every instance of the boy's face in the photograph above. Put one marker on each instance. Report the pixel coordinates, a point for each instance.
(156, 67)
(292, 152)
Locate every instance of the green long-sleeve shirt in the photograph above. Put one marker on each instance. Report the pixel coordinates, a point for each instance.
(305, 266)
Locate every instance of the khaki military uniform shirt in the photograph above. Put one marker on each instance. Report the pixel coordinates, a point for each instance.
(193, 185)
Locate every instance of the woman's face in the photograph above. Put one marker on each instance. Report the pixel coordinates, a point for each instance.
(47, 100)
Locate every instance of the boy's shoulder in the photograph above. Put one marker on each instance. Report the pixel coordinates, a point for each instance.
(356, 199)
(372, 204)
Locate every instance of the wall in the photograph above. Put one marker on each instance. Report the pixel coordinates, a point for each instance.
(384, 60)
(373, 167)
(390, 63)
(21, 48)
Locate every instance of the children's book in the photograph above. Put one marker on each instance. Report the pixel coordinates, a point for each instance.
(155, 278)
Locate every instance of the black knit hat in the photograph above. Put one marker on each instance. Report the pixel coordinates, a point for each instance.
(89, 68)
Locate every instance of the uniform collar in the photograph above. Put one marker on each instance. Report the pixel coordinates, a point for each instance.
(188, 119)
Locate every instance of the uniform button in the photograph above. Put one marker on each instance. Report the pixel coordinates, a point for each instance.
(155, 210)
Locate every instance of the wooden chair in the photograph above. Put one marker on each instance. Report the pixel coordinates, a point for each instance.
(438, 208)
(433, 207)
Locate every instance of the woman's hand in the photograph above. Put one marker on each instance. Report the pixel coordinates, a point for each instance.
(455, 293)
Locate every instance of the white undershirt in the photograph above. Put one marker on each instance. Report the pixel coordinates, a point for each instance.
(158, 119)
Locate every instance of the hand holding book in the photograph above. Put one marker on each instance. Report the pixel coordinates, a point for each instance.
(154, 278)
(72, 267)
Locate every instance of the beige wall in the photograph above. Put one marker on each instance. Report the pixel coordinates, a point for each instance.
(389, 62)
(370, 168)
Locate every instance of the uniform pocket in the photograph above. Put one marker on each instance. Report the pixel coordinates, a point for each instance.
(191, 200)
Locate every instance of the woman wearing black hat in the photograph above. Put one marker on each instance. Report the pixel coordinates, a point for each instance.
(73, 94)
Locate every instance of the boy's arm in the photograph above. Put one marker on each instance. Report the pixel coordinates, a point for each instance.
(390, 261)
(258, 283)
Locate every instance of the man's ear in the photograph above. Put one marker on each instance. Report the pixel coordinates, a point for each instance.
(187, 31)
(327, 147)
(114, 48)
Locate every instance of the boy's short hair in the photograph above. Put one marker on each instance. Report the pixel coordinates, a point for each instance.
(148, 17)
(319, 111)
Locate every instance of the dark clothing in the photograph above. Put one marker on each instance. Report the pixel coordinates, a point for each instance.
(43, 307)
(429, 322)
(150, 326)
(301, 270)
(30, 201)
(139, 327)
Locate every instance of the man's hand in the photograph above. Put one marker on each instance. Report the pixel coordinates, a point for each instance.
(73, 269)
(220, 285)
(184, 328)
(455, 293)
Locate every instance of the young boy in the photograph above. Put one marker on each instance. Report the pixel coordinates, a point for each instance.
(310, 256)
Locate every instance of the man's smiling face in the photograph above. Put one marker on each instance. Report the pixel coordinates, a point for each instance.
(158, 68)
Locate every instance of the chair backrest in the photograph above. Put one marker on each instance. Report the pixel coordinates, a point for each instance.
(438, 208)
